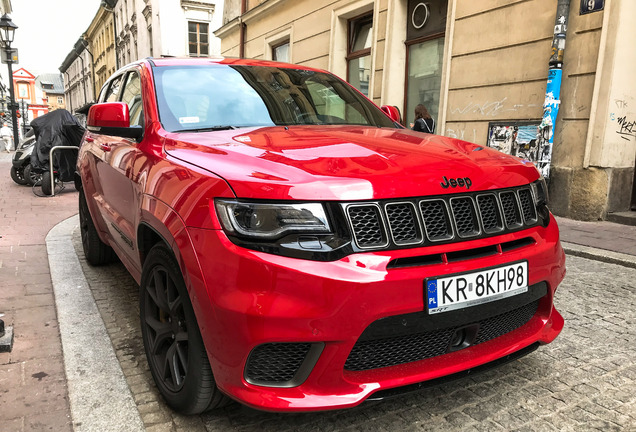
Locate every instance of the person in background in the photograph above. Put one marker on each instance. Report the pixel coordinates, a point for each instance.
(423, 120)
(7, 137)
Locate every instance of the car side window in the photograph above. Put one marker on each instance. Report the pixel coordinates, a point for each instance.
(132, 96)
(112, 94)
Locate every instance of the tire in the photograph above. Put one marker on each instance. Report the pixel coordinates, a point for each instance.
(46, 183)
(17, 175)
(172, 341)
(96, 251)
(31, 177)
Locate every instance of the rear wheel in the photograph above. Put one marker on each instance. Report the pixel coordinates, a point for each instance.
(96, 251)
(47, 186)
(31, 176)
(17, 175)
(174, 347)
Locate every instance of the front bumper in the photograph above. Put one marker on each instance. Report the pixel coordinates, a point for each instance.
(247, 299)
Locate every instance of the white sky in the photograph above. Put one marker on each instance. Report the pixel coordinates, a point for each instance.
(47, 31)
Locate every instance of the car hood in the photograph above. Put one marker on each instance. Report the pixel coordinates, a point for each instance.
(345, 163)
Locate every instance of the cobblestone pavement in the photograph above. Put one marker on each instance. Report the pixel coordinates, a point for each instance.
(584, 380)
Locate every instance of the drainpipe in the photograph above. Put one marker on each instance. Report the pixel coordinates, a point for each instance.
(242, 29)
(553, 88)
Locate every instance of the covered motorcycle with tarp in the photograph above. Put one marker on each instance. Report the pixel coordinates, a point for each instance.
(57, 128)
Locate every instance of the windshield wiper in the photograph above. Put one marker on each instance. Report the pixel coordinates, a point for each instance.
(210, 128)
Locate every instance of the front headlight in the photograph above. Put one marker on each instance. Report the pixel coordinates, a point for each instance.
(268, 221)
(540, 192)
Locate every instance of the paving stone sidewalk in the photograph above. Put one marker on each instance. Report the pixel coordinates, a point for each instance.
(33, 388)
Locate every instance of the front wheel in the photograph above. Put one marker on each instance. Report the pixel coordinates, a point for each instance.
(172, 341)
(17, 175)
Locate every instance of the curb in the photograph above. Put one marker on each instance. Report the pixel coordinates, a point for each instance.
(599, 254)
(98, 393)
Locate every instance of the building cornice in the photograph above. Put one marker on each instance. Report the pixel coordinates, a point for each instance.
(253, 14)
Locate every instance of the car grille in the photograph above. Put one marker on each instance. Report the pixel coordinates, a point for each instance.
(378, 353)
(419, 221)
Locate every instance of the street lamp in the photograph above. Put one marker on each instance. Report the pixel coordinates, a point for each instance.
(7, 32)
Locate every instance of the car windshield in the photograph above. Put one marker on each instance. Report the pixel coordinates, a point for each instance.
(216, 97)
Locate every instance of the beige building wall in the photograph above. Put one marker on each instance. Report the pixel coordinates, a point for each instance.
(495, 68)
(100, 37)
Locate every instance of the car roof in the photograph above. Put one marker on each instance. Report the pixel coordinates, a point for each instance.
(201, 61)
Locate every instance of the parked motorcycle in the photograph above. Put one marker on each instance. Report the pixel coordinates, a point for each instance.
(21, 170)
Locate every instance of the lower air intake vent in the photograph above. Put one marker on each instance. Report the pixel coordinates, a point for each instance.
(282, 364)
(378, 353)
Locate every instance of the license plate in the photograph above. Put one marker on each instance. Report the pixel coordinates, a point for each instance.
(448, 293)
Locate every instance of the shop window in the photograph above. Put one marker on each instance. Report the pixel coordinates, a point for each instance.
(359, 53)
(198, 44)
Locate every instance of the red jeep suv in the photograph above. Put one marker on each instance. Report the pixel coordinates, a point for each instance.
(297, 249)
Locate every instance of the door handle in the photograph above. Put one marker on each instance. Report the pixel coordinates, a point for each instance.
(105, 147)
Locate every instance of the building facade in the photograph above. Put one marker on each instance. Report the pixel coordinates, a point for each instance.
(482, 69)
(52, 87)
(100, 39)
(123, 31)
(29, 95)
(77, 70)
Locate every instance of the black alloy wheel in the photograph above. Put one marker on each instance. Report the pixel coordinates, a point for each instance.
(166, 328)
(17, 175)
(172, 341)
(95, 250)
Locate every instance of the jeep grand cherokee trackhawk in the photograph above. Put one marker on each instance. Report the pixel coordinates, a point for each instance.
(297, 249)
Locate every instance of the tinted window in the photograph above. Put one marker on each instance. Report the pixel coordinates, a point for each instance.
(199, 97)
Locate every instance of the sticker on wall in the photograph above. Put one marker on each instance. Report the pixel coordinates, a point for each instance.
(525, 140)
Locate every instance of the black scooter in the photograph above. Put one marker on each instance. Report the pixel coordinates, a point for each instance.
(21, 170)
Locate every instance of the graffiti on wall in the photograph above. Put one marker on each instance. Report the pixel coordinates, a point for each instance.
(526, 140)
(627, 128)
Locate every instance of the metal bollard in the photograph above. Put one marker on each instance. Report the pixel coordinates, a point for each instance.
(51, 164)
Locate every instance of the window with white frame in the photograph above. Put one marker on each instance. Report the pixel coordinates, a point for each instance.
(359, 52)
(198, 39)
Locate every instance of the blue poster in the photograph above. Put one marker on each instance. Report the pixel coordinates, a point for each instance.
(551, 102)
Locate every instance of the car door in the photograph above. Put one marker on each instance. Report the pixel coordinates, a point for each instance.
(115, 168)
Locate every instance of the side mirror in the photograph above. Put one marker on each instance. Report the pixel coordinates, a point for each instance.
(112, 118)
(392, 112)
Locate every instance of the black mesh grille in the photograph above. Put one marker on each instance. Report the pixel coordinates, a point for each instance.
(465, 217)
(403, 223)
(505, 323)
(275, 362)
(510, 209)
(367, 226)
(378, 353)
(436, 221)
(527, 205)
(390, 352)
(490, 215)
